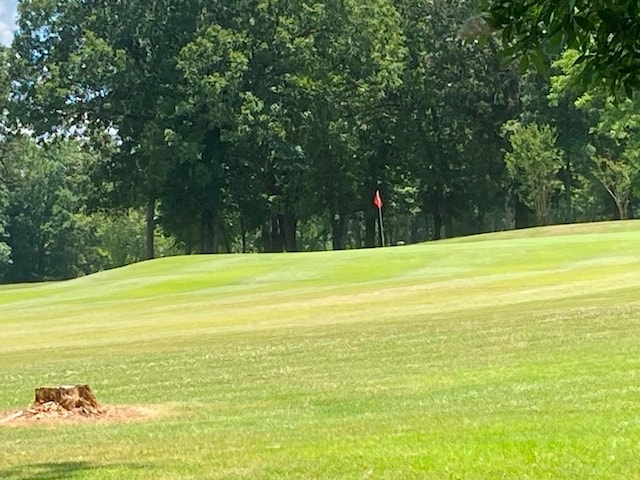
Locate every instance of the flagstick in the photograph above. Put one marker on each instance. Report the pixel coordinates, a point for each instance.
(381, 226)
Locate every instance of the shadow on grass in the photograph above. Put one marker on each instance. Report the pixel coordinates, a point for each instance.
(61, 470)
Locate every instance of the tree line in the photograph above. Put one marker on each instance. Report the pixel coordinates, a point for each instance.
(133, 129)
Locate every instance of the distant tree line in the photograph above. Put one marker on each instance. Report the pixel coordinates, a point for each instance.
(134, 129)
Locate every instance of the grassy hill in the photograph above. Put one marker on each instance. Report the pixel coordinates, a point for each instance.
(510, 355)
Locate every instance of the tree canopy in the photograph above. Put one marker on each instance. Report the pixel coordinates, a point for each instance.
(604, 32)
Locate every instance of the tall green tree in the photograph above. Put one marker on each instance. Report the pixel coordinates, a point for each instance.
(454, 99)
(616, 146)
(356, 69)
(542, 106)
(109, 69)
(50, 234)
(533, 164)
(614, 132)
(6, 152)
(235, 129)
(289, 89)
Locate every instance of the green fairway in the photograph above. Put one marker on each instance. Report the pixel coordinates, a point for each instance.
(512, 355)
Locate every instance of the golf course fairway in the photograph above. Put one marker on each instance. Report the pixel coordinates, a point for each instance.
(512, 355)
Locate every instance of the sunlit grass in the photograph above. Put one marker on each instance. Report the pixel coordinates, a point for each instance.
(500, 356)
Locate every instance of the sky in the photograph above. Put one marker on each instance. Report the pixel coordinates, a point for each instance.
(7, 20)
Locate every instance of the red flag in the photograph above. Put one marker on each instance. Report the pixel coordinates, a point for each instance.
(377, 201)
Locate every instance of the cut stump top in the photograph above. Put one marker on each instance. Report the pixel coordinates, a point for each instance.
(68, 397)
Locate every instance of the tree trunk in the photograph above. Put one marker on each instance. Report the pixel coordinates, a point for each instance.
(448, 218)
(40, 270)
(437, 225)
(243, 233)
(567, 180)
(208, 240)
(522, 215)
(370, 230)
(265, 236)
(622, 209)
(68, 397)
(288, 227)
(356, 231)
(150, 229)
(277, 239)
(190, 242)
(434, 204)
(339, 232)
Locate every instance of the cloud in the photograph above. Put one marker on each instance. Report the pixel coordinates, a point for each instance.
(7, 21)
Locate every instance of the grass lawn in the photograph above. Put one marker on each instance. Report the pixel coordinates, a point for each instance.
(512, 355)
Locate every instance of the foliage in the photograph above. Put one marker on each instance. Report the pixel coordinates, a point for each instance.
(5, 153)
(121, 237)
(48, 233)
(617, 177)
(107, 70)
(5, 249)
(454, 99)
(50, 230)
(533, 164)
(614, 126)
(604, 32)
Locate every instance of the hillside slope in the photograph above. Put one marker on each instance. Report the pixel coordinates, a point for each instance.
(569, 264)
(511, 355)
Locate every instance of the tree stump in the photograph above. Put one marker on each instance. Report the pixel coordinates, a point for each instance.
(77, 398)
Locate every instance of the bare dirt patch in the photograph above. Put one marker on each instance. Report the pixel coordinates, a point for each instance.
(73, 404)
(53, 416)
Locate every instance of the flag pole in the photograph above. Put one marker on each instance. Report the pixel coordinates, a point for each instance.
(377, 201)
(381, 227)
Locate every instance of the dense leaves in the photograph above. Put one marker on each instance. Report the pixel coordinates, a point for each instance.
(614, 142)
(6, 152)
(49, 229)
(604, 32)
(533, 163)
